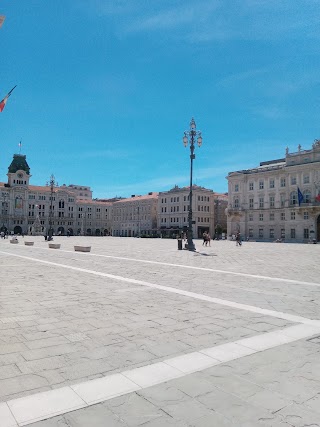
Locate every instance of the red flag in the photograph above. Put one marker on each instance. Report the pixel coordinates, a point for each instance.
(5, 99)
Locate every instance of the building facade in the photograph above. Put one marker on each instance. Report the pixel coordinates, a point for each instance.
(31, 209)
(21, 203)
(278, 200)
(208, 210)
(135, 216)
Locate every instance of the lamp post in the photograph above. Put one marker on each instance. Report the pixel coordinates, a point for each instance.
(216, 218)
(4, 212)
(189, 138)
(52, 184)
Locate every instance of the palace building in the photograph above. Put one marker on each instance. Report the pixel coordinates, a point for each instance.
(73, 209)
(278, 200)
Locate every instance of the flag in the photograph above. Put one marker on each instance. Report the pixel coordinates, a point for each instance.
(300, 196)
(2, 18)
(5, 99)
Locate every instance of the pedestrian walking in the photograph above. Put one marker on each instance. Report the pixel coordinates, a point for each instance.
(208, 239)
(238, 239)
(204, 236)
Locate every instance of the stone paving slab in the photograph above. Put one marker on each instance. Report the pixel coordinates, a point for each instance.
(224, 395)
(118, 330)
(60, 327)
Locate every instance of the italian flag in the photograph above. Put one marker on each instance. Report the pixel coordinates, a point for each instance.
(5, 99)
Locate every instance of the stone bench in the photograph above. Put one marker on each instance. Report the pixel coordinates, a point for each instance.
(14, 241)
(29, 243)
(54, 245)
(82, 248)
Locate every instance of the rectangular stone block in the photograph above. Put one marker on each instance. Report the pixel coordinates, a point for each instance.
(82, 248)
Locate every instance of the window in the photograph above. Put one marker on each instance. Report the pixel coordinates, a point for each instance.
(271, 201)
(282, 182)
(306, 233)
(292, 215)
(293, 198)
(306, 179)
(250, 217)
(293, 180)
(306, 215)
(261, 184)
(260, 233)
(251, 203)
(261, 202)
(282, 200)
(271, 233)
(271, 183)
(293, 233)
(250, 232)
(283, 233)
(283, 216)
(261, 217)
(236, 187)
(307, 196)
(236, 203)
(250, 186)
(271, 216)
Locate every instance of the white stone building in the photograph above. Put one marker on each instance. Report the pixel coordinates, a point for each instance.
(208, 211)
(135, 216)
(21, 203)
(264, 203)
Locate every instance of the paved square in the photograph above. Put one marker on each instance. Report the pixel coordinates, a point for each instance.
(226, 336)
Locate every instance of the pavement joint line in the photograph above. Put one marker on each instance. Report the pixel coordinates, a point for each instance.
(191, 267)
(232, 304)
(48, 404)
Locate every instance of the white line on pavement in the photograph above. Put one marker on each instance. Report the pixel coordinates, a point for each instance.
(253, 309)
(48, 404)
(191, 267)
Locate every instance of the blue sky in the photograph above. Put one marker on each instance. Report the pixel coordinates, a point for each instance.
(105, 89)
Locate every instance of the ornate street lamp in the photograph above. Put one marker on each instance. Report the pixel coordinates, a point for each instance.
(4, 213)
(52, 184)
(189, 138)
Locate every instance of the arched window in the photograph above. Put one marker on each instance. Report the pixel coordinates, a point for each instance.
(61, 204)
(293, 198)
(236, 203)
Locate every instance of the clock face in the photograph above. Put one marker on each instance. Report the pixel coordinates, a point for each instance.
(20, 175)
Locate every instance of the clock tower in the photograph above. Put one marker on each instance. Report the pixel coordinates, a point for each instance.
(18, 172)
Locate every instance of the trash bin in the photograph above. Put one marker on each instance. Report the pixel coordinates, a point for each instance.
(180, 244)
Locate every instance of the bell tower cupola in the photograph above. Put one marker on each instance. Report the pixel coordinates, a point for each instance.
(18, 171)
